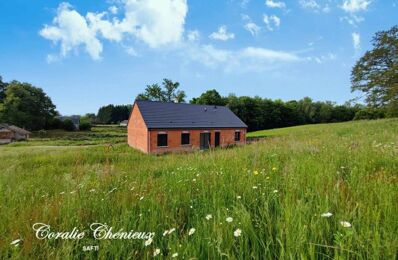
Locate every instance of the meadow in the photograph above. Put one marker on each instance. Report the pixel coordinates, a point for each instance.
(309, 192)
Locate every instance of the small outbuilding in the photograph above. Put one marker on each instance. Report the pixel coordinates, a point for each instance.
(9, 133)
(159, 127)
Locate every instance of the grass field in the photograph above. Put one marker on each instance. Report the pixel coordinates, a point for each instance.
(98, 135)
(261, 201)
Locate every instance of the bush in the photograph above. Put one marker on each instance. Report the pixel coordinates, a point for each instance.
(54, 123)
(369, 113)
(68, 125)
(85, 126)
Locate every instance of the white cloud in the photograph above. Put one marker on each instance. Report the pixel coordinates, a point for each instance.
(242, 60)
(314, 6)
(253, 28)
(104, 27)
(275, 4)
(193, 35)
(113, 9)
(353, 6)
(222, 34)
(352, 19)
(131, 51)
(309, 4)
(71, 30)
(322, 58)
(154, 22)
(243, 3)
(269, 55)
(356, 41)
(271, 21)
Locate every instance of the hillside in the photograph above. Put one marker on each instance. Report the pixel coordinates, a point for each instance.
(264, 200)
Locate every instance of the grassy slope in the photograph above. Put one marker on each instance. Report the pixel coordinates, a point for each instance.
(349, 169)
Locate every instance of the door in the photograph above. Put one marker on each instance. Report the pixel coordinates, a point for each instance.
(217, 139)
(204, 141)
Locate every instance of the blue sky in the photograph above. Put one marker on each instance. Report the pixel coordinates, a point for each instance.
(86, 54)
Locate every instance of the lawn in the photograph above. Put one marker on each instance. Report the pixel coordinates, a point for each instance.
(261, 201)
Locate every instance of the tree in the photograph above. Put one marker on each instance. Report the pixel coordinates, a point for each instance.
(3, 86)
(376, 72)
(169, 93)
(210, 97)
(26, 106)
(113, 114)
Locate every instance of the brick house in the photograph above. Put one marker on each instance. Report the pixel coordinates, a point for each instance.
(158, 127)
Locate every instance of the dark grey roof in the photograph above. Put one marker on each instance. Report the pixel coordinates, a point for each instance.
(181, 115)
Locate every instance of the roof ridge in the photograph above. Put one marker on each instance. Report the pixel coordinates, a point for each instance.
(175, 103)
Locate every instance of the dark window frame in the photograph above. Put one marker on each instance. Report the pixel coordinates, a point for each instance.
(165, 142)
(182, 138)
(237, 136)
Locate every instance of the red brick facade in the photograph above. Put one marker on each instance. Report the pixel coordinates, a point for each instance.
(146, 140)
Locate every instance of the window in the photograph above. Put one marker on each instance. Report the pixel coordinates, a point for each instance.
(162, 139)
(184, 138)
(237, 136)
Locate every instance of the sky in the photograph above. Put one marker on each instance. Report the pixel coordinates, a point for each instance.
(86, 54)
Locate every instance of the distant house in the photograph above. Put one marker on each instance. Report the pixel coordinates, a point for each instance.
(124, 123)
(157, 127)
(75, 120)
(9, 133)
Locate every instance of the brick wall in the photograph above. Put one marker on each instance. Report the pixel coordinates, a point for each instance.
(137, 136)
(227, 137)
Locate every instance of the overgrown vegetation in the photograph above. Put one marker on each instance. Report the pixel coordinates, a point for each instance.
(278, 193)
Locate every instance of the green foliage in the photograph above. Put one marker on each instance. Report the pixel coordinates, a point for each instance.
(68, 125)
(262, 113)
(112, 114)
(85, 126)
(169, 93)
(376, 72)
(275, 190)
(26, 106)
(210, 97)
(369, 113)
(3, 87)
(85, 123)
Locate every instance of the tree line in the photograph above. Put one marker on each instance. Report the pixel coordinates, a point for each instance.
(375, 75)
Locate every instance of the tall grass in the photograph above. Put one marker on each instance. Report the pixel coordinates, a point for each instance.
(274, 190)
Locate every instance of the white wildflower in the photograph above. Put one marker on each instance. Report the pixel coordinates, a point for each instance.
(142, 198)
(191, 231)
(275, 191)
(327, 215)
(238, 197)
(16, 242)
(168, 232)
(255, 187)
(156, 252)
(148, 242)
(345, 224)
(229, 219)
(62, 192)
(208, 217)
(237, 232)
(174, 255)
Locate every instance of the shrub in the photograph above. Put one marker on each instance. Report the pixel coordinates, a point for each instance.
(85, 126)
(68, 125)
(369, 113)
